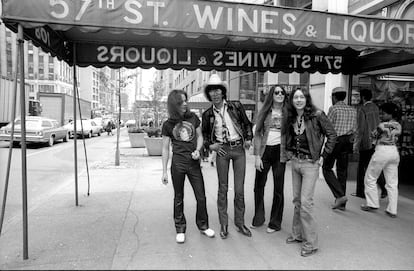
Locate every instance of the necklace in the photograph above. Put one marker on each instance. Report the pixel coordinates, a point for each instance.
(299, 124)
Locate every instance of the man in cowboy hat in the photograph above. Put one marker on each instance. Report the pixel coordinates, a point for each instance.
(227, 131)
(344, 119)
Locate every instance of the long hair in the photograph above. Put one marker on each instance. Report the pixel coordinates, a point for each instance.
(267, 106)
(174, 102)
(309, 109)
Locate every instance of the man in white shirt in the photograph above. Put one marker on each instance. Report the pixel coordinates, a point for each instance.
(227, 131)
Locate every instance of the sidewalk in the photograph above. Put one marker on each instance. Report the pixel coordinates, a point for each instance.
(127, 223)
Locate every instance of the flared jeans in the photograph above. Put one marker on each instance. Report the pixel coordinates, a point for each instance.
(305, 173)
(386, 159)
(270, 159)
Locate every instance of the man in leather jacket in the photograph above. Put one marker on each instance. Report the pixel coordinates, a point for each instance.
(227, 131)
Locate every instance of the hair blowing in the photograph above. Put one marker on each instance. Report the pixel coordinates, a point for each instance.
(174, 102)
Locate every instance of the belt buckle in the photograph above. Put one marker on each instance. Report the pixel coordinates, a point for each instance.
(234, 143)
(302, 156)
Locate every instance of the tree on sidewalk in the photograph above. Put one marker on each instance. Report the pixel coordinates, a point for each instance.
(122, 83)
(154, 101)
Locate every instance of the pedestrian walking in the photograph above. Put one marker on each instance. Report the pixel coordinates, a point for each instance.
(386, 159)
(306, 129)
(368, 120)
(227, 131)
(268, 154)
(344, 120)
(183, 131)
(109, 126)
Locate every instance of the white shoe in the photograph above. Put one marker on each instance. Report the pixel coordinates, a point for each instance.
(270, 230)
(209, 233)
(180, 238)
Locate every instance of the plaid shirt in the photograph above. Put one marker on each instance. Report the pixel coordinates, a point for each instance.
(344, 118)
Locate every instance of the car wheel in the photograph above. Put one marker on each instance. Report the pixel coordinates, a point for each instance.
(66, 138)
(99, 133)
(51, 141)
(89, 134)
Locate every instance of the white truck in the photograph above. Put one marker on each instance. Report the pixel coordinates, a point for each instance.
(33, 107)
(59, 106)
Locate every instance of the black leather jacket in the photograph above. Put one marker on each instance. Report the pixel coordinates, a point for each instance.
(318, 127)
(240, 121)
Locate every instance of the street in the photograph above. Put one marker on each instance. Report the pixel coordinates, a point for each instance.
(48, 169)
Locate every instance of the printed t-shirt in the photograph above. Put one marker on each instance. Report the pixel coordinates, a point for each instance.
(274, 129)
(183, 137)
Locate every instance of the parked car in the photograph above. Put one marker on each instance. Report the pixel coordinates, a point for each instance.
(130, 123)
(90, 128)
(38, 130)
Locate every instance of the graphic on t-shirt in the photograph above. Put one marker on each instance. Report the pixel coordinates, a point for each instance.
(183, 131)
(276, 122)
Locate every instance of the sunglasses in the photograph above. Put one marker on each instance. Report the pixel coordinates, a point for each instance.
(279, 92)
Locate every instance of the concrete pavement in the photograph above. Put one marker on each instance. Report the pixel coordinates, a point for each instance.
(126, 223)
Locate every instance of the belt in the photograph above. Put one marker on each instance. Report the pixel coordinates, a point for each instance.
(234, 143)
(302, 156)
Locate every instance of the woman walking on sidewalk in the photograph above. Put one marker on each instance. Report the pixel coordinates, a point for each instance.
(267, 150)
(183, 130)
(386, 159)
(305, 132)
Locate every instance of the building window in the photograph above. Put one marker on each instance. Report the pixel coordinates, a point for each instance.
(30, 48)
(51, 67)
(41, 67)
(248, 86)
(47, 88)
(30, 66)
(9, 58)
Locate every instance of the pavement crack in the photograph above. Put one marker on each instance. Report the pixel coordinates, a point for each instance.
(135, 232)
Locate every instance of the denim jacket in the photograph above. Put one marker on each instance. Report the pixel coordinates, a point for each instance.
(317, 127)
(260, 140)
(240, 121)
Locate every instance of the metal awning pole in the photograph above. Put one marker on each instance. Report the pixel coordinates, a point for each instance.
(75, 145)
(13, 117)
(23, 141)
